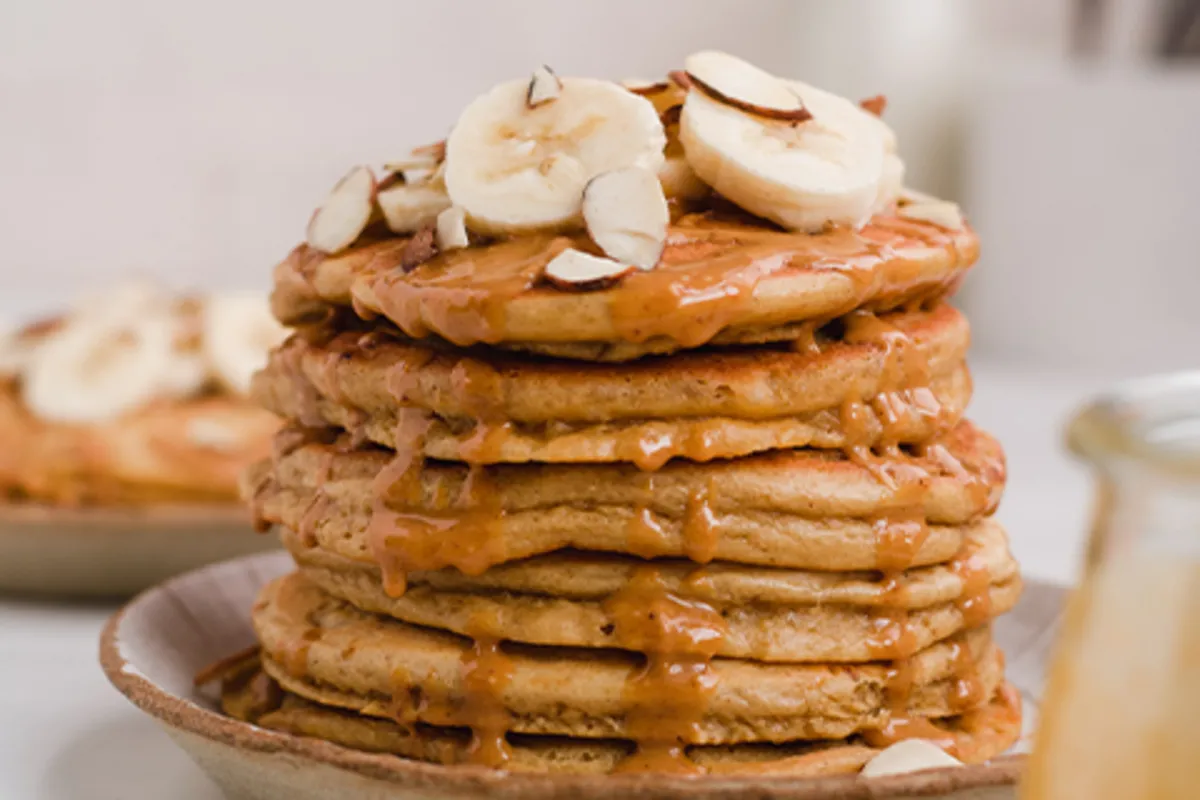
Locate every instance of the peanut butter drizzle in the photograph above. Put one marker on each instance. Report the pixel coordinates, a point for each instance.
(901, 529)
(700, 532)
(806, 339)
(968, 688)
(975, 602)
(486, 672)
(651, 451)
(460, 532)
(709, 271)
(667, 697)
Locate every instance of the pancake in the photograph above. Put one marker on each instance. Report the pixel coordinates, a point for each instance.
(189, 451)
(899, 378)
(718, 274)
(802, 509)
(252, 696)
(813, 631)
(335, 654)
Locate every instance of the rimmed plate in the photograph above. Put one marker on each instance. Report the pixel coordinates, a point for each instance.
(99, 552)
(152, 648)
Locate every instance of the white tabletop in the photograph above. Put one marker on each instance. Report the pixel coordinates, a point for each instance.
(65, 734)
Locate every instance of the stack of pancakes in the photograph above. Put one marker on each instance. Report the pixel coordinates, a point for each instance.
(724, 515)
(553, 554)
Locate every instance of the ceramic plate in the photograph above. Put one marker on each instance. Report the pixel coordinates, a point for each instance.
(116, 552)
(151, 649)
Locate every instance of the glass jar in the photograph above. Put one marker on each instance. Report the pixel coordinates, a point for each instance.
(1122, 713)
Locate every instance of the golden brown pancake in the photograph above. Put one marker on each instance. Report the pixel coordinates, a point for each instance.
(575, 575)
(857, 388)
(252, 696)
(718, 275)
(186, 452)
(803, 509)
(814, 631)
(332, 653)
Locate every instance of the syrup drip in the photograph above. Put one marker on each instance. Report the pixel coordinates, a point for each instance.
(667, 697)
(968, 688)
(700, 533)
(487, 671)
(806, 340)
(975, 602)
(460, 532)
(645, 536)
(318, 507)
(901, 529)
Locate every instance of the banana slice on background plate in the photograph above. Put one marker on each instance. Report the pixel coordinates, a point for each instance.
(514, 167)
(784, 150)
(98, 368)
(237, 331)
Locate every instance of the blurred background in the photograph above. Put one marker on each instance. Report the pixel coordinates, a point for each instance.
(192, 140)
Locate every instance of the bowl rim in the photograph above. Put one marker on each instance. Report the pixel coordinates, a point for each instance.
(186, 715)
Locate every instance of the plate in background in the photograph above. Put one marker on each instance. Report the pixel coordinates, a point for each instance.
(100, 552)
(153, 647)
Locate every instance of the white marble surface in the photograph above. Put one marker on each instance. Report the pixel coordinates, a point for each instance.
(66, 735)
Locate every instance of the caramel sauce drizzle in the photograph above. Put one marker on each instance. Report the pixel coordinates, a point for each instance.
(487, 671)
(902, 529)
(462, 533)
(709, 273)
(710, 269)
(666, 698)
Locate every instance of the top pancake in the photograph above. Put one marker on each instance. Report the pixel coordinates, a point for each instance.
(721, 279)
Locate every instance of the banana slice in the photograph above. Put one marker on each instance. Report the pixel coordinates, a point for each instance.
(238, 331)
(513, 168)
(97, 368)
(802, 175)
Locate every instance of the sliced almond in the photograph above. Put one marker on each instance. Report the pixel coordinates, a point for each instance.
(388, 179)
(876, 105)
(626, 215)
(423, 158)
(407, 207)
(344, 215)
(577, 271)
(451, 229)
(544, 86)
(662, 94)
(680, 78)
(939, 212)
(910, 755)
(420, 248)
(645, 87)
(741, 85)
